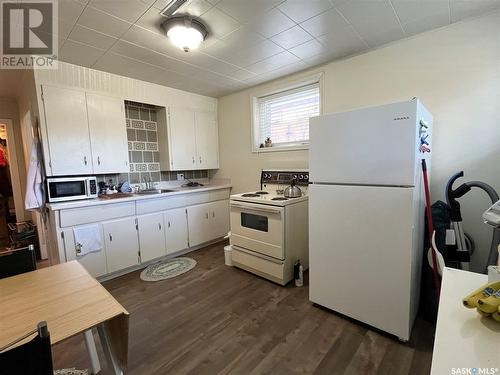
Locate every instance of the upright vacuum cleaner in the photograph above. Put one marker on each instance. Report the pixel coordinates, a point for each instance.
(459, 250)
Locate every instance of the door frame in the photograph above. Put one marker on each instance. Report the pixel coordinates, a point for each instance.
(14, 169)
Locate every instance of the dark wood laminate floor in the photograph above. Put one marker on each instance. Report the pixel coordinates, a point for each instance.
(221, 320)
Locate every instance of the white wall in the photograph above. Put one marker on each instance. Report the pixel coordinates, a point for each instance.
(456, 73)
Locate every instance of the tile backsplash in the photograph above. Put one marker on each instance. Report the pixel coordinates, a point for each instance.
(143, 152)
(142, 137)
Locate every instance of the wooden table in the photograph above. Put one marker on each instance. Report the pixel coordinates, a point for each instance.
(71, 302)
(463, 339)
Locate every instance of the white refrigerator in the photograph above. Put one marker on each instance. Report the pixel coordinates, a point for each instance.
(366, 212)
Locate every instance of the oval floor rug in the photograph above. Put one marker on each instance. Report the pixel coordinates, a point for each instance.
(167, 269)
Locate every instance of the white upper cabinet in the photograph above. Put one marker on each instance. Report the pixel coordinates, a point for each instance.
(207, 142)
(67, 131)
(181, 139)
(192, 140)
(108, 134)
(86, 132)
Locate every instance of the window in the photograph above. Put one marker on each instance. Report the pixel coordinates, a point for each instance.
(283, 117)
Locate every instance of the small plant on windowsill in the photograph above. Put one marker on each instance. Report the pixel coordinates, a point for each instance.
(268, 142)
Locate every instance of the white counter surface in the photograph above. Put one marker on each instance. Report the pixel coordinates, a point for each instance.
(464, 341)
(207, 186)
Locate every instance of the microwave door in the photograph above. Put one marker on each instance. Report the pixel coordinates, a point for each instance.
(67, 190)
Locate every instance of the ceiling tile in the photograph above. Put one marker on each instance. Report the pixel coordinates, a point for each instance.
(273, 62)
(308, 49)
(125, 66)
(79, 54)
(127, 10)
(69, 10)
(411, 10)
(244, 36)
(91, 37)
(343, 42)
(245, 11)
(64, 28)
(292, 37)
(138, 53)
(103, 22)
(242, 74)
(299, 10)
(461, 9)
(247, 56)
(370, 16)
(272, 23)
(151, 20)
(325, 23)
(431, 22)
(219, 23)
(383, 37)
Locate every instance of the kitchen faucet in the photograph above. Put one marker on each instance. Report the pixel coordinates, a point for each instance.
(149, 184)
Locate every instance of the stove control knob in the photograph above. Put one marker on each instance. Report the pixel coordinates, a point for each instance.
(306, 176)
(295, 177)
(301, 176)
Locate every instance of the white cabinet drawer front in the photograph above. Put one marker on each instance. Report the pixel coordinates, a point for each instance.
(147, 206)
(93, 214)
(217, 195)
(197, 198)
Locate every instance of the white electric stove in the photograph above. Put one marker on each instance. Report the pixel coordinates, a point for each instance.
(269, 232)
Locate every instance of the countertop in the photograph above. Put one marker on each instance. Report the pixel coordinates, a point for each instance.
(463, 340)
(207, 186)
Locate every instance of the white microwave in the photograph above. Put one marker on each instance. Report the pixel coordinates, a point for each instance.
(61, 189)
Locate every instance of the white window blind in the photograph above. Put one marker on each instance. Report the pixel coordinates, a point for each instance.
(284, 117)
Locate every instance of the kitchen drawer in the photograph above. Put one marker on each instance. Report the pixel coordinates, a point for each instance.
(93, 214)
(218, 195)
(197, 198)
(147, 206)
(259, 265)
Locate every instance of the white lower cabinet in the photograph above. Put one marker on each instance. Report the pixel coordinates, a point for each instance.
(94, 263)
(122, 243)
(151, 236)
(176, 230)
(219, 212)
(207, 221)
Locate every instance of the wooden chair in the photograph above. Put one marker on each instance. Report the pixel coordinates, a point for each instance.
(16, 261)
(31, 358)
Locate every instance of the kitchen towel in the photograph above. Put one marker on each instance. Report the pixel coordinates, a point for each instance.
(34, 196)
(88, 239)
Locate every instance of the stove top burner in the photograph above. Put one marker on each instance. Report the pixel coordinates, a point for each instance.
(250, 195)
(261, 192)
(279, 199)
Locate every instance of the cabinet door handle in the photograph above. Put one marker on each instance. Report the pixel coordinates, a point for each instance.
(200, 159)
(193, 160)
(159, 226)
(98, 160)
(110, 238)
(206, 215)
(213, 214)
(169, 224)
(85, 160)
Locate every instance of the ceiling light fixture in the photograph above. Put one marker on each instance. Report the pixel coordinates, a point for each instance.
(185, 32)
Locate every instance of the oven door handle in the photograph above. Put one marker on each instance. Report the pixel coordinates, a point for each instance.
(257, 208)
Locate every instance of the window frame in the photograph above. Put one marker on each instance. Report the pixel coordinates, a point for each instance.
(279, 89)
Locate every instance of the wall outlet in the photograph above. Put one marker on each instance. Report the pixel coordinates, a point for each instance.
(180, 176)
